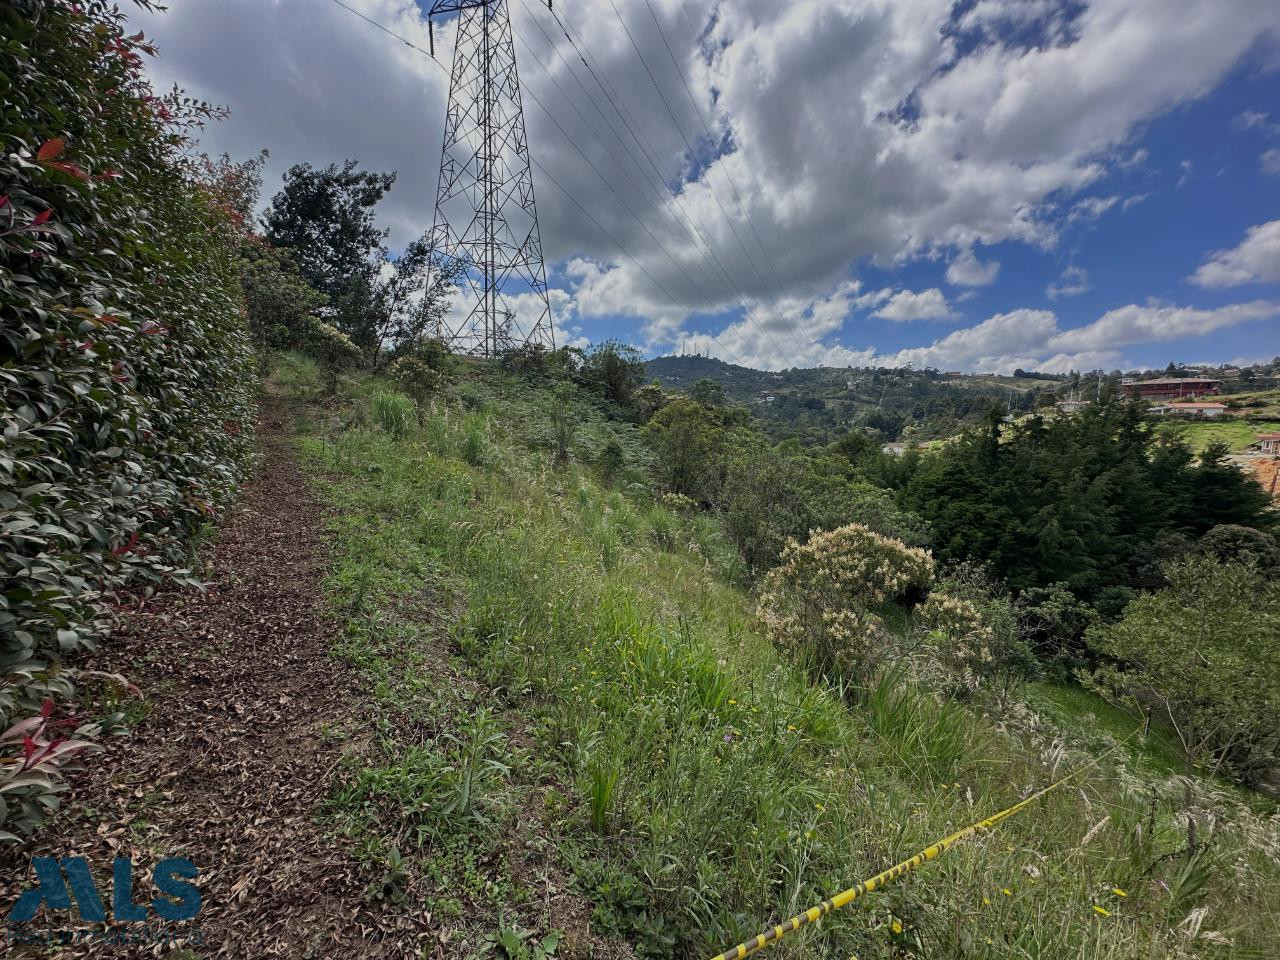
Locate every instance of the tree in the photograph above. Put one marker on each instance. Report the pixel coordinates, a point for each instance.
(1204, 655)
(409, 297)
(708, 392)
(688, 444)
(280, 304)
(234, 186)
(326, 218)
(615, 369)
(1232, 543)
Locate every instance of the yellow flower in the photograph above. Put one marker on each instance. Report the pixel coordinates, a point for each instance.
(819, 807)
(1101, 911)
(1007, 892)
(732, 701)
(791, 727)
(896, 926)
(1118, 892)
(986, 901)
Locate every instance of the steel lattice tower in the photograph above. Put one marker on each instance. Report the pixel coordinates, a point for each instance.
(485, 219)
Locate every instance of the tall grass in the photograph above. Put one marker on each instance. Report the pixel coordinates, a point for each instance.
(396, 413)
(719, 787)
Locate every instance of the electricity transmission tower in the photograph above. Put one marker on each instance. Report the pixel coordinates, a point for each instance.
(485, 219)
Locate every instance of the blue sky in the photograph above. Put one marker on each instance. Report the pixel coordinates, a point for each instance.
(972, 185)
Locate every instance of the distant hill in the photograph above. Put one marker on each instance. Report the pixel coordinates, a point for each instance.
(820, 403)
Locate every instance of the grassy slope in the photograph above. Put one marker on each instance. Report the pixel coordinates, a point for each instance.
(694, 785)
(1237, 434)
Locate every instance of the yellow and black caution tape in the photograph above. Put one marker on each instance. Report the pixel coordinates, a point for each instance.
(880, 879)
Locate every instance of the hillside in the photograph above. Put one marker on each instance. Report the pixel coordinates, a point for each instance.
(694, 781)
(822, 403)
(583, 733)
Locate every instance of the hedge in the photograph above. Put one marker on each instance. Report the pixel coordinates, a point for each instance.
(126, 372)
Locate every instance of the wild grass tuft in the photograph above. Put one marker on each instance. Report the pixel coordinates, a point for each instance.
(395, 413)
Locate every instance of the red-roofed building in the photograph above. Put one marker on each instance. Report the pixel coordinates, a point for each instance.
(1171, 388)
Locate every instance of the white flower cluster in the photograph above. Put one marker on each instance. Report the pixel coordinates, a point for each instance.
(818, 597)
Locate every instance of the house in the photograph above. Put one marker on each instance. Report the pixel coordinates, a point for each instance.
(1172, 388)
(1270, 444)
(896, 448)
(1203, 411)
(1072, 406)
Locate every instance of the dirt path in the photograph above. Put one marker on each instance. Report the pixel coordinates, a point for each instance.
(247, 719)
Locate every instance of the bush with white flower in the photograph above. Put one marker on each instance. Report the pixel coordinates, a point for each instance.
(821, 598)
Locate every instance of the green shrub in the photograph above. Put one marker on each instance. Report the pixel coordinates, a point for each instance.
(1232, 543)
(475, 440)
(415, 376)
(1053, 622)
(1204, 653)
(128, 375)
(611, 459)
(334, 350)
(818, 599)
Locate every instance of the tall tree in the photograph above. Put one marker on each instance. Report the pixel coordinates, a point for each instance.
(326, 218)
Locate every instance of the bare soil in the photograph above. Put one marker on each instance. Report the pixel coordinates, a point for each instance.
(247, 719)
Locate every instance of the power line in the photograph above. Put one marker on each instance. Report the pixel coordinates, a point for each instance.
(542, 168)
(639, 266)
(707, 129)
(407, 43)
(665, 194)
(625, 116)
(605, 181)
(688, 146)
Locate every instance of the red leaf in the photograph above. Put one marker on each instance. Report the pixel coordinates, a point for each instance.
(70, 169)
(42, 217)
(28, 747)
(150, 326)
(110, 174)
(50, 149)
(121, 550)
(46, 708)
(4, 201)
(108, 320)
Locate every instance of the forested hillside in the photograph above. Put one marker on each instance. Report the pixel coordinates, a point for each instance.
(818, 405)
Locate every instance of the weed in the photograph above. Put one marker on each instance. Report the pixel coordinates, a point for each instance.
(395, 413)
(604, 779)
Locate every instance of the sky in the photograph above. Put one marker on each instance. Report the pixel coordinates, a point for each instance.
(974, 185)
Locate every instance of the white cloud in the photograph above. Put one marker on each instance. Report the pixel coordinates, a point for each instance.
(1255, 120)
(966, 270)
(1033, 340)
(1002, 341)
(1030, 339)
(1270, 161)
(858, 128)
(1156, 323)
(1255, 260)
(1073, 282)
(906, 305)
(1090, 208)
